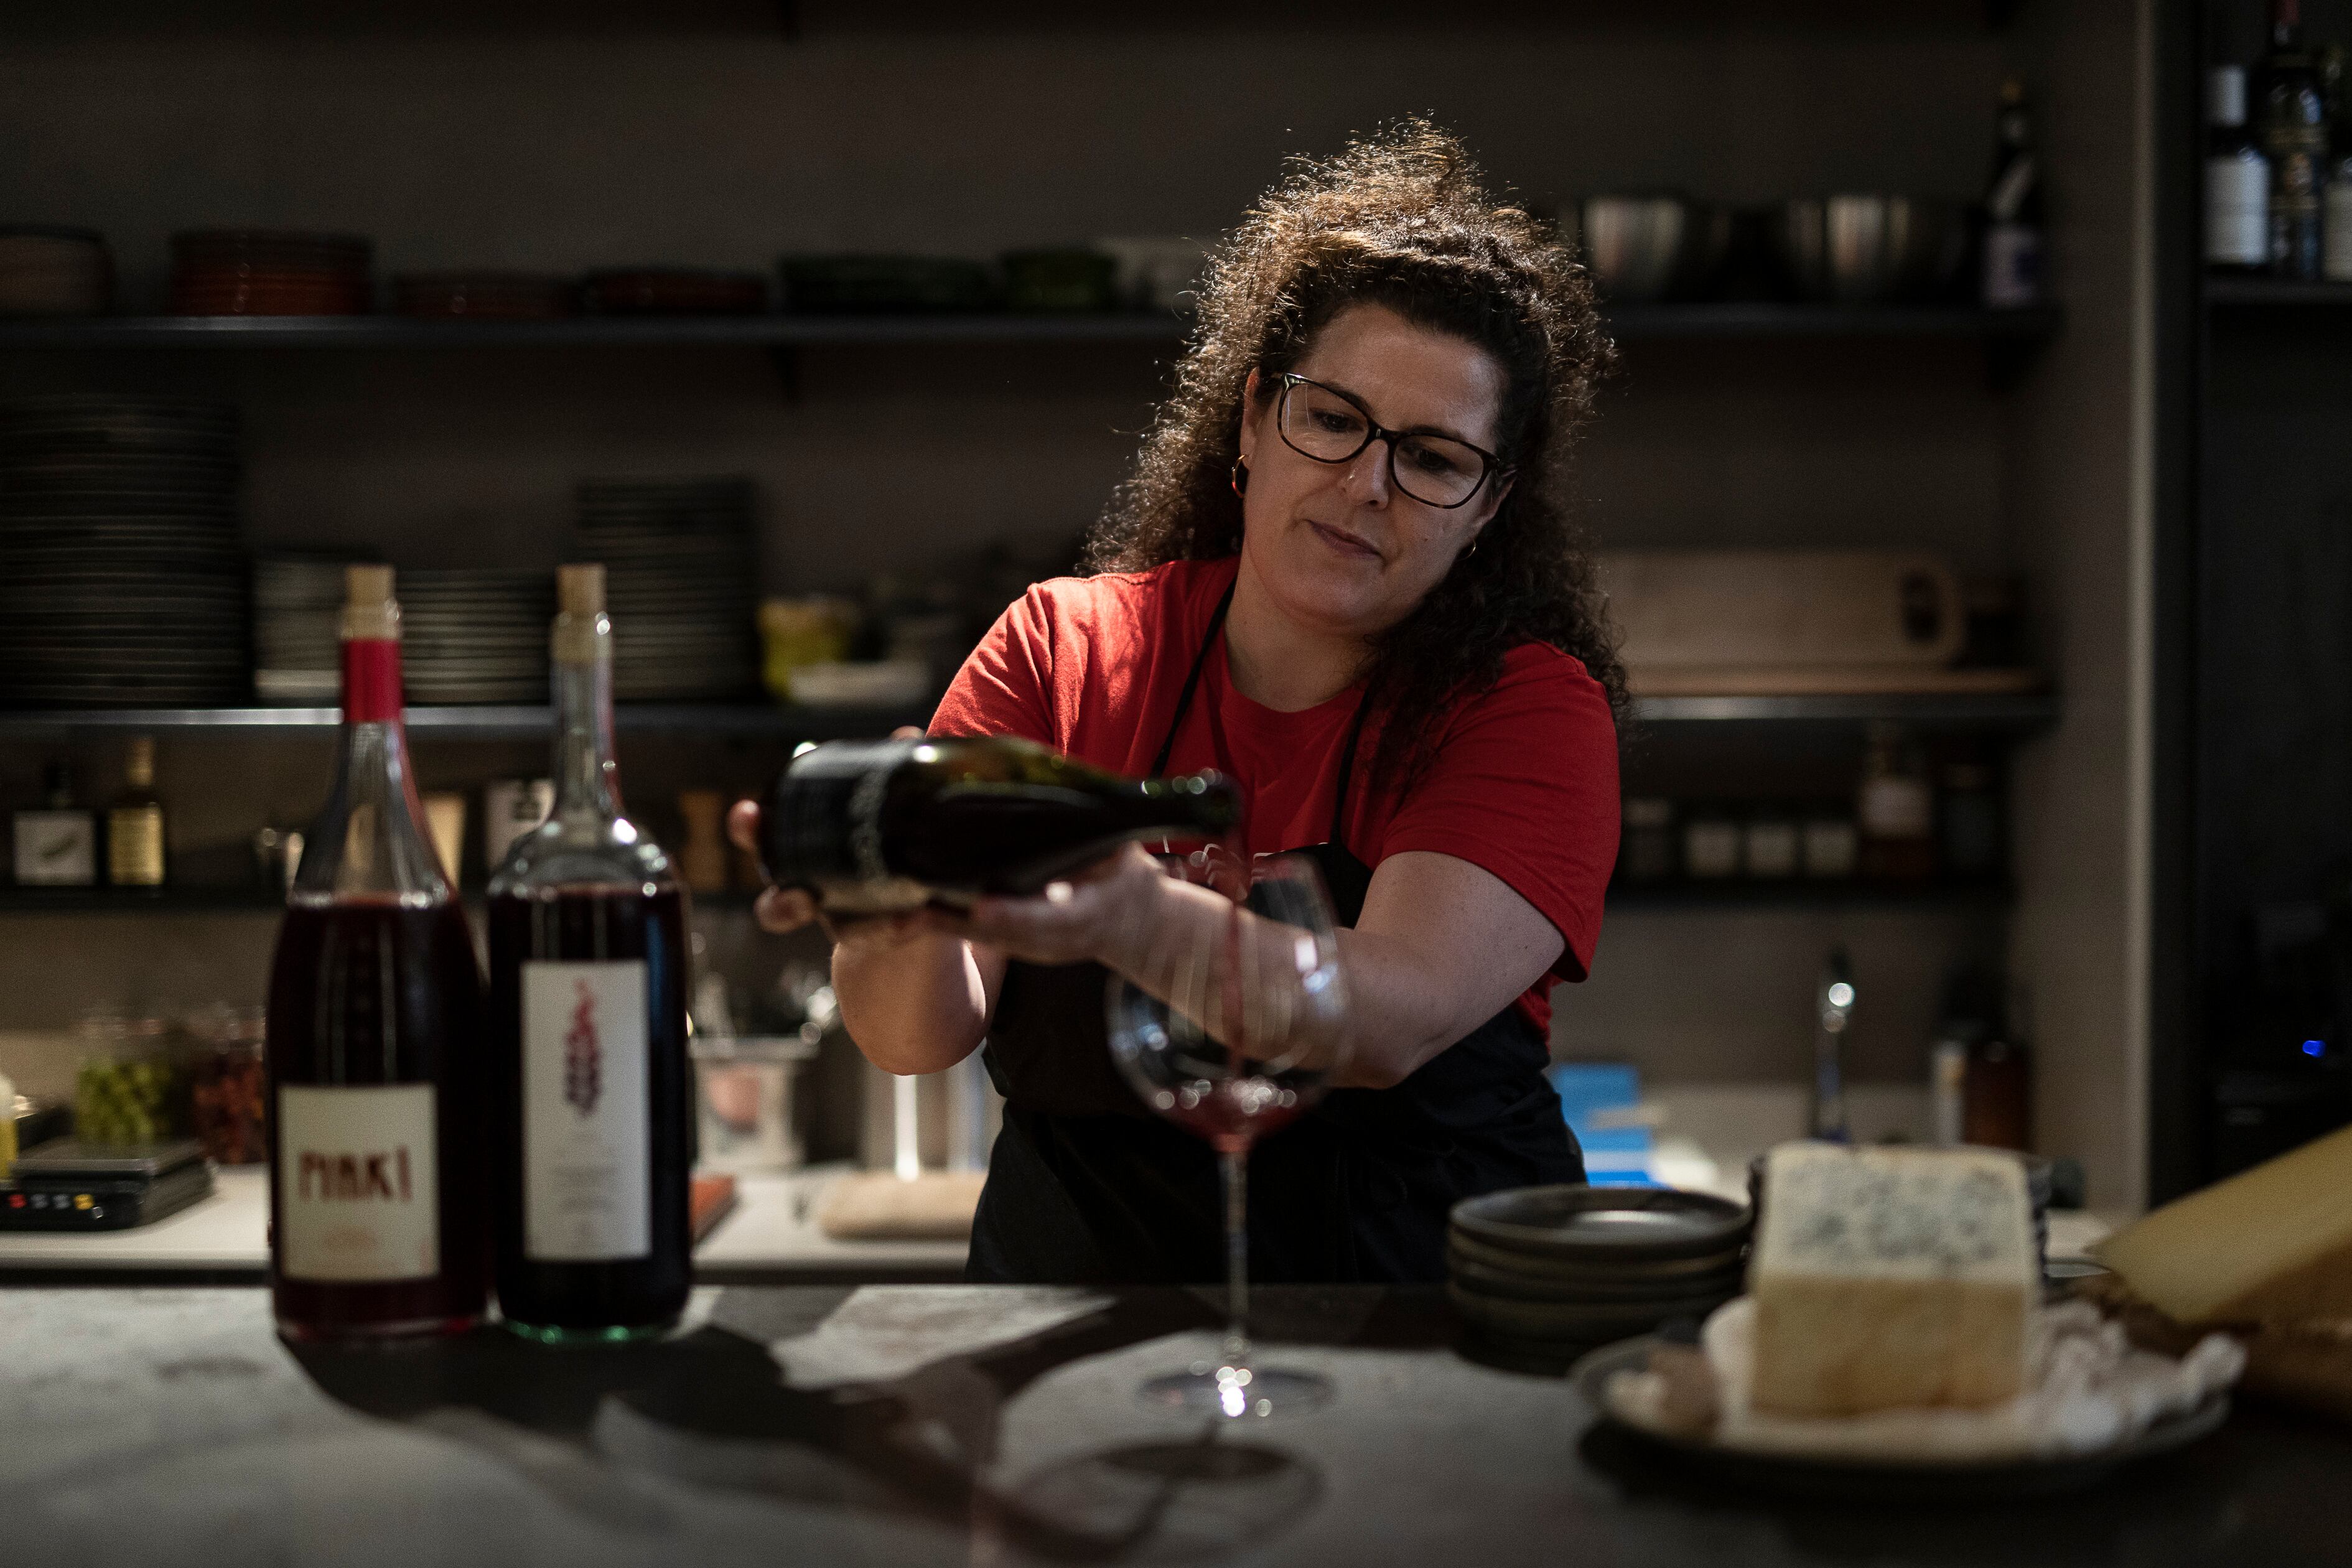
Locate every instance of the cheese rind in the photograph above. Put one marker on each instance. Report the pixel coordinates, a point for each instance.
(2271, 1245)
(1891, 1278)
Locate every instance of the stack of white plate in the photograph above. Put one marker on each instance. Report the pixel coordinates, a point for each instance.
(475, 634)
(297, 613)
(679, 583)
(54, 272)
(1545, 1272)
(121, 579)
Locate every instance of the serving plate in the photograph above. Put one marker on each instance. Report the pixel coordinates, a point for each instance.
(1890, 1480)
(1604, 1224)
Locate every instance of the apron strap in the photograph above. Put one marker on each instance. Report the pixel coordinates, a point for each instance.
(1192, 679)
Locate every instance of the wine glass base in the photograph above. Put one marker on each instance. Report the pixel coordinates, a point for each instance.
(1210, 1388)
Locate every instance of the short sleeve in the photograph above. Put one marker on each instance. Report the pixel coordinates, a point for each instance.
(1524, 784)
(1006, 684)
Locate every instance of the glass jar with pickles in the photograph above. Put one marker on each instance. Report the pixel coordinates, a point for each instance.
(132, 1084)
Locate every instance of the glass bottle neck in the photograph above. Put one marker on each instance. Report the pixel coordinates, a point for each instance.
(370, 841)
(587, 781)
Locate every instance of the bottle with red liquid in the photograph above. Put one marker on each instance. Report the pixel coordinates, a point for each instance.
(378, 1226)
(588, 1018)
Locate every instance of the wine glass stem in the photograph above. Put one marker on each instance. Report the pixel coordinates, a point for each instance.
(1234, 1161)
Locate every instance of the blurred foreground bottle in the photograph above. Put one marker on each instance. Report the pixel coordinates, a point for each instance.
(378, 1212)
(2292, 114)
(588, 1012)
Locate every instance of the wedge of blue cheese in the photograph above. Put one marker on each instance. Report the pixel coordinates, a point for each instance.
(1891, 1278)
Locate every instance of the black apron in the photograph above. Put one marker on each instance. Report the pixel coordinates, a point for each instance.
(1086, 1186)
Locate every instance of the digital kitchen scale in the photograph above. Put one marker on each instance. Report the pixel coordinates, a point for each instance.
(66, 1185)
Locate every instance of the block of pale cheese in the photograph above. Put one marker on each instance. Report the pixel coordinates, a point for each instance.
(1891, 1278)
(2272, 1245)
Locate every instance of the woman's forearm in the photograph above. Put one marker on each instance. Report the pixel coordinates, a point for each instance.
(913, 1007)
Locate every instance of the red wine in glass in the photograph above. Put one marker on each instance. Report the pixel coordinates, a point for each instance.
(1243, 1024)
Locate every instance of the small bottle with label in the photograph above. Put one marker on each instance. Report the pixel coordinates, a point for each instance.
(2237, 179)
(588, 991)
(134, 823)
(57, 844)
(1895, 809)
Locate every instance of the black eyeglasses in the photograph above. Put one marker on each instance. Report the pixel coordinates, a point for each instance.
(1327, 425)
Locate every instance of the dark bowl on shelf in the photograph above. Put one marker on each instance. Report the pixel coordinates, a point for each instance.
(1865, 249)
(1641, 249)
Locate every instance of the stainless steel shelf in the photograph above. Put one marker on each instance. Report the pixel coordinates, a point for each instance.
(487, 724)
(757, 720)
(1801, 894)
(1958, 711)
(2267, 292)
(1725, 320)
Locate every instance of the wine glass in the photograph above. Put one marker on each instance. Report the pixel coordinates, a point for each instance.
(1243, 1025)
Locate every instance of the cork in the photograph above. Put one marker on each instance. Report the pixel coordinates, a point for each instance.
(580, 590)
(370, 612)
(580, 617)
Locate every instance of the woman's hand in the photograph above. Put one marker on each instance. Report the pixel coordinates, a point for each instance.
(1100, 911)
(786, 909)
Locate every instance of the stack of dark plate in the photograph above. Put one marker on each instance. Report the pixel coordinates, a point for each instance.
(678, 583)
(482, 296)
(475, 634)
(297, 613)
(121, 579)
(55, 272)
(269, 272)
(1544, 1273)
(674, 291)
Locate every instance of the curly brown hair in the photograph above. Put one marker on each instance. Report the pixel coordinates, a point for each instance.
(1401, 220)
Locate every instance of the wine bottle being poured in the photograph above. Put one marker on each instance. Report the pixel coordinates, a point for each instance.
(885, 826)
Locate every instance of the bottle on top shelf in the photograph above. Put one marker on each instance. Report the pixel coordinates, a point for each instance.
(57, 843)
(588, 1004)
(134, 823)
(2237, 179)
(2014, 251)
(2290, 112)
(883, 826)
(378, 1220)
(2335, 200)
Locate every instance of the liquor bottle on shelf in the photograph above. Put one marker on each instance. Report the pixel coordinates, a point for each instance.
(2237, 179)
(883, 826)
(134, 823)
(588, 990)
(56, 844)
(2335, 200)
(379, 1223)
(2013, 250)
(1895, 810)
(2292, 114)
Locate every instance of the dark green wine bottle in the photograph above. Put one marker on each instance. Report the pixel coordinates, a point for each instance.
(883, 826)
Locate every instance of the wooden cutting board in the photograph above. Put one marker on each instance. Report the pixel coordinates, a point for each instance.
(1781, 609)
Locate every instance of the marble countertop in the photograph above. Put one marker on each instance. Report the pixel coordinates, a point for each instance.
(961, 1426)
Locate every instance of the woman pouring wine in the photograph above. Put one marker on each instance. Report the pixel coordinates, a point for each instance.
(1344, 575)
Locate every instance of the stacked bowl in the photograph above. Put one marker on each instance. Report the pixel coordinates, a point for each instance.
(1543, 1273)
(269, 272)
(121, 583)
(298, 616)
(678, 582)
(475, 634)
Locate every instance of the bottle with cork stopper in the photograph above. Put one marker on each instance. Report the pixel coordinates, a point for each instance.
(591, 1095)
(376, 1087)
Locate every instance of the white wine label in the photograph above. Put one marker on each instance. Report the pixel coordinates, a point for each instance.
(358, 1189)
(585, 1131)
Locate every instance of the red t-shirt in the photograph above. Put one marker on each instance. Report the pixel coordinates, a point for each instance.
(1523, 783)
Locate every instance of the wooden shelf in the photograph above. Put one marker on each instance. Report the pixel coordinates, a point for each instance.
(1728, 320)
